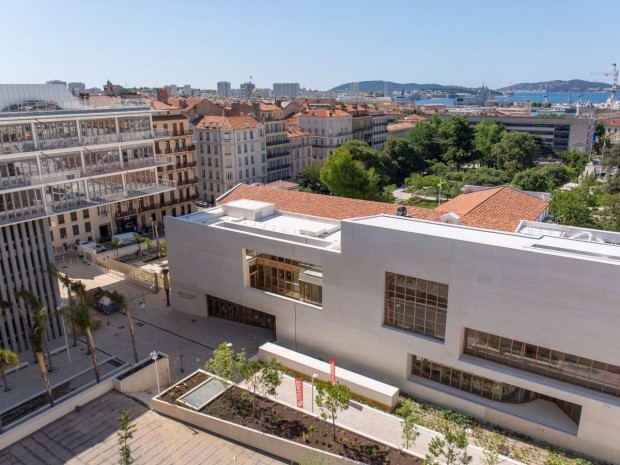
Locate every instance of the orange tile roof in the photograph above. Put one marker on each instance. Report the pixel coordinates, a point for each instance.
(400, 126)
(326, 206)
(280, 184)
(236, 122)
(157, 105)
(293, 121)
(415, 118)
(498, 208)
(268, 107)
(611, 123)
(324, 113)
(296, 132)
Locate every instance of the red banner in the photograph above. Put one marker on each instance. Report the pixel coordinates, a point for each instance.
(299, 390)
(332, 366)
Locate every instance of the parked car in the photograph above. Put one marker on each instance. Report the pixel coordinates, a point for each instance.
(98, 248)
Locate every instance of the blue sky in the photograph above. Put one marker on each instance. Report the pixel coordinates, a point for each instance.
(319, 44)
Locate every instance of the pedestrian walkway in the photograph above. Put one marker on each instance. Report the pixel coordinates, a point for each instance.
(372, 423)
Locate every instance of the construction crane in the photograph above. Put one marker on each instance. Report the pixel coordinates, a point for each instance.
(614, 86)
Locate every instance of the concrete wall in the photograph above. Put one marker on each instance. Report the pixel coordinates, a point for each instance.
(146, 377)
(284, 448)
(562, 302)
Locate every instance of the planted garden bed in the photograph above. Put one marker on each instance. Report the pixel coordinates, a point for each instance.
(266, 416)
(182, 388)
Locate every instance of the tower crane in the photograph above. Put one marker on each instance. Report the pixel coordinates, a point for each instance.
(614, 87)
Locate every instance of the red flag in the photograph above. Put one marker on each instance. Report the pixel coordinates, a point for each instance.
(332, 366)
(299, 390)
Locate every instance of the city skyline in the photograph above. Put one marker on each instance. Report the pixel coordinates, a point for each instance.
(150, 44)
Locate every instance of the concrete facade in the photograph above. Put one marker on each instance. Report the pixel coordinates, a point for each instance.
(548, 292)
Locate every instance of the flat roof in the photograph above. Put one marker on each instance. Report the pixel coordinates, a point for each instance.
(593, 251)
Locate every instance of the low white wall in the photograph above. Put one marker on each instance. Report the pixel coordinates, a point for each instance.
(360, 386)
(284, 448)
(146, 377)
(12, 435)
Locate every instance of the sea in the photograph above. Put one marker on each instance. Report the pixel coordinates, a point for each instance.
(552, 97)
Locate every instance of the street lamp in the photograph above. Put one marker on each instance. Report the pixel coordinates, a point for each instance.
(314, 376)
(154, 358)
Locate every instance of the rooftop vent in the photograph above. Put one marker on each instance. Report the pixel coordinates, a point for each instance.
(401, 211)
(450, 218)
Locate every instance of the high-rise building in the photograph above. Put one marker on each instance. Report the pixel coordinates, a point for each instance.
(61, 157)
(247, 89)
(290, 89)
(56, 81)
(187, 90)
(223, 89)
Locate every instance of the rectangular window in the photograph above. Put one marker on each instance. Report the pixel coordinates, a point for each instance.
(87, 226)
(591, 374)
(234, 312)
(61, 219)
(286, 277)
(486, 387)
(63, 233)
(416, 305)
(86, 214)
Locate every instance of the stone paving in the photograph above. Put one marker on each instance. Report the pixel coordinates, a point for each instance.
(88, 437)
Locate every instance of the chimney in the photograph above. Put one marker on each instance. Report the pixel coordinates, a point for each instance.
(247, 123)
(450, 218)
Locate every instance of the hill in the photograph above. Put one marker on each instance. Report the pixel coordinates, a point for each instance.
(556, 86)
(377, 86)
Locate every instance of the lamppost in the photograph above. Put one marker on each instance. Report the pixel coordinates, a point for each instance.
(165, 273)
(314, 376)
(154, 358)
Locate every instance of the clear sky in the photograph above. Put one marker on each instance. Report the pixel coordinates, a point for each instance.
(318, 43)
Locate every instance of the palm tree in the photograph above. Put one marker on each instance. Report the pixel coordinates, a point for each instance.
(8, 359)
(66, 283)
(116, 244)
(79, 314)
(138, 239)
(37, 333)
(120, 300)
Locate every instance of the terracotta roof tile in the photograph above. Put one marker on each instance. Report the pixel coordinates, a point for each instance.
(400, 126)
(236, 122)
(498, 208)
(324, 113)
(415, 118)
(326, 206)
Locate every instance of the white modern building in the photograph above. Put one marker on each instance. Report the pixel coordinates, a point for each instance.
(62, 156)
(517, 329)
(223, 89)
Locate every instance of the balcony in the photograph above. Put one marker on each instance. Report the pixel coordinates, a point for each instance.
(187, 182)
(277, 142)
(271, 156)
(186, 164)
(278, 168)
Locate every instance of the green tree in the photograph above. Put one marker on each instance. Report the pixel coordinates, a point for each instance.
(486, 134)
(438, 169)
(138, 239)
(250, 372)
(270, 377)
(117, 244)
(403, 158)
(35, 321)
(148, 243)
(612, 185)
(309, 180)
(225, 364)
(332, 399)
(599, 131)
(458, 136)
(67, 283)
(370, 158)
(79, 314)
(345, 177)
(573, 207)
(451, 449)
(120, 300)
(410, 415)
(611, 157)
(557, 174)
(544, 149)
(8, 359)
(516, 151)
(125, 432)
(484, 177)
(575, 159)
(609, 216)
(426, 139)
(531, 180)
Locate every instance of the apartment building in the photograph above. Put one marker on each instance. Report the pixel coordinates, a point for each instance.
(246, 90)
(223, 89)
(62, 157)
(229, 150)
(288, 89)
(328, 129)
(361, 122)
(378, 123)
(517, 329)
(301, 150)
(276, 140)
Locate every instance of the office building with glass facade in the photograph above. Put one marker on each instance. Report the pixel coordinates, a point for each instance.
(516, 329)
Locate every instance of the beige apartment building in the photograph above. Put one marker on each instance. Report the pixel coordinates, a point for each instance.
(301, 150)
(276, 141)
(328, 129)
(229, 150)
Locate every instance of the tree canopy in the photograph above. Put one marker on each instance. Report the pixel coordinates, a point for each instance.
(346, 177)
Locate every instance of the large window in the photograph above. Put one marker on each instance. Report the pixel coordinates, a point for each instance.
(220, 308)
(416, 305)
(286, 277)
(598, 376)
(485, 387)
